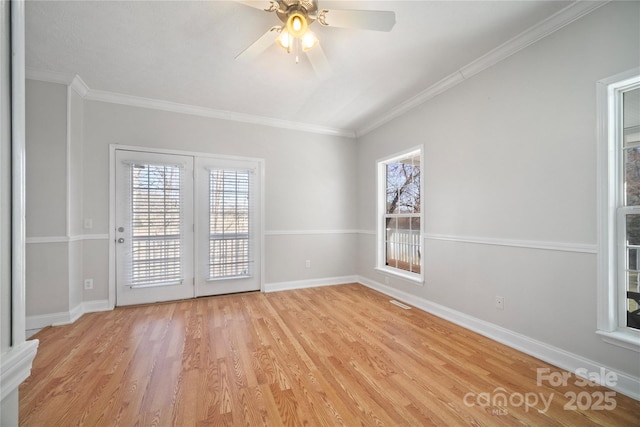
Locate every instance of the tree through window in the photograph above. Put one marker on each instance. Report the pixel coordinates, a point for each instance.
(400, 231)
(619, 209)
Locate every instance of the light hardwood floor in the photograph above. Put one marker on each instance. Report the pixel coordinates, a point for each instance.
(339, 355)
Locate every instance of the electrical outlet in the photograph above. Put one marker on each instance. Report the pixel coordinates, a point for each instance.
(88, 283)
(499, 302)
(307, 263)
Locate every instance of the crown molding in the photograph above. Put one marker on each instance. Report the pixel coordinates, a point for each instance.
(560, 19)
(77, 84)
(48, 76)
(156, 104)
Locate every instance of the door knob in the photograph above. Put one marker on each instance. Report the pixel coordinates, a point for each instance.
(121, 240)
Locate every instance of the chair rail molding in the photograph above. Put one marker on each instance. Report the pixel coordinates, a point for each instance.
(586, 248)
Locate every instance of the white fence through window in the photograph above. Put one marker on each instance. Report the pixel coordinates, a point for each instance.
(403, 249)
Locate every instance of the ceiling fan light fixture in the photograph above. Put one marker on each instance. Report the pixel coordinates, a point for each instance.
(296, 34)
(285, 40)
(297, 24)
(298, 15)
(309, 41)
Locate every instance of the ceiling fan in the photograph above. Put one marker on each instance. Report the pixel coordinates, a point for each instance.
(294, 35)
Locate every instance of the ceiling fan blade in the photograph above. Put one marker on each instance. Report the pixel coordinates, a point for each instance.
(267, 5)
(319, 62)
(259, 45)
(377, 20)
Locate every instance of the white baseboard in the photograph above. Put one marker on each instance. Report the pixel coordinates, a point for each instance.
(310, 283)
(96, 305)
(66, 317)
(31, 332)
(74, 314)
(42, 320)
(626, 384)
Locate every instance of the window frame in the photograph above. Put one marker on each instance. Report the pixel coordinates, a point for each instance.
(416, 278)
(248, 273)
(611, 315)
(144, 241)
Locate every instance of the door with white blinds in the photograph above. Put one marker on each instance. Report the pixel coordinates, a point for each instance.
(154, 227)
(228, 226)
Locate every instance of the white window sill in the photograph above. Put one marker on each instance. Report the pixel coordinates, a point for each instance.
(416, 279)
(622, 338)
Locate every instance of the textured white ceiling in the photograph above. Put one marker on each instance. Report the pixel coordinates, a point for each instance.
(184, 52)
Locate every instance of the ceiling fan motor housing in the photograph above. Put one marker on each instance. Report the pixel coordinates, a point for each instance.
(308, 8)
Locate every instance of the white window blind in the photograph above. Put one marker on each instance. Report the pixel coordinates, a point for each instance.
(156, 220)
(229, 223)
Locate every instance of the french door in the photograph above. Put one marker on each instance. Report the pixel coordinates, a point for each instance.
(154, 227)
(228, 223)
(186, 226)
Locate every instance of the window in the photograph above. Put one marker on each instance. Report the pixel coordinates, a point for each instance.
(619, 174)
(400, 242)
(629, 205)
(229, 223)
(184, 225)
(155, 225)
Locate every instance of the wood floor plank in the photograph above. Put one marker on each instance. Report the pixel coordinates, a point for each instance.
(328, 356)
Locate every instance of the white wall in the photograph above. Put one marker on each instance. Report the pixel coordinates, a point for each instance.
(510, 159)
(310, 185)
(47, 254)
(55, 125)
(310, 192)
(47, 159)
